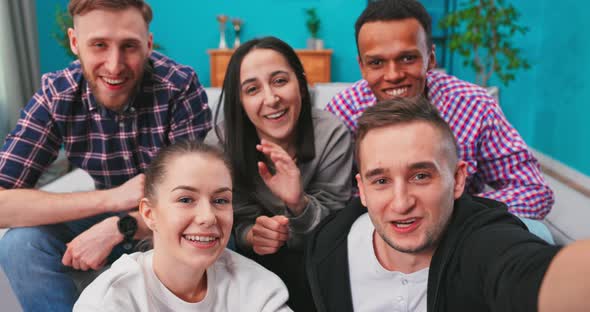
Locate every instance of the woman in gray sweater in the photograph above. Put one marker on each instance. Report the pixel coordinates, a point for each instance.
(292, 163)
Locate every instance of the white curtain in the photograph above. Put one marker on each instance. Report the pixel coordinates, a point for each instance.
(19, 59)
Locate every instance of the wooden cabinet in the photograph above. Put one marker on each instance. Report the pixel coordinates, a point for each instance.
(218, 60)
(316, 64)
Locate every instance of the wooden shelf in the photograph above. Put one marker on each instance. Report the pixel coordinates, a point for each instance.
(316, 63)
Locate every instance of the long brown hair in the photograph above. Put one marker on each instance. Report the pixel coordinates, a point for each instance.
(239, 135)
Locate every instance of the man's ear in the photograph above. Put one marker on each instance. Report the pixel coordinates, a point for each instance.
(73, 40)
(460, 178)
(147, 213)
(359, 182)
(150, 43)
(432, 57)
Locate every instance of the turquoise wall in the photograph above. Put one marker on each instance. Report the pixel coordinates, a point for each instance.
(52, 56)
(188, 29)
(188, 32)
(547, 104)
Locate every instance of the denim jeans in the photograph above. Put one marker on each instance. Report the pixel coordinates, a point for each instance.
(31, 259)
(538, 228)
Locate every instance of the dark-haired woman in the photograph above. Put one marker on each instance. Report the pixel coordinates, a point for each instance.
(292, 163)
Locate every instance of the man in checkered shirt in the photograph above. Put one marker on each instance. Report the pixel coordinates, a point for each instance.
(111, 111)
(397, 57)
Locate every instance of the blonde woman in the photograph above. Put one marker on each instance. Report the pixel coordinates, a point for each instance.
(188, 206)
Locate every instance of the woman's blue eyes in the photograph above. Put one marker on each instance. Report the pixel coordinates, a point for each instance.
(221, 201)
(217, 201)
(185, 200)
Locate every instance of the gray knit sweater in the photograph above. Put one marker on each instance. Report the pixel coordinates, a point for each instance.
(326, 181)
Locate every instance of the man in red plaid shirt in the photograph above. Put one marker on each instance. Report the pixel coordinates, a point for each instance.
(397, 57)
(111, 111)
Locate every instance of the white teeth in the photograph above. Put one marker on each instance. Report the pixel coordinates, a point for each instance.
(113, 81)
(276, 115)
(404, 224)
(397, 91)
(202, 239)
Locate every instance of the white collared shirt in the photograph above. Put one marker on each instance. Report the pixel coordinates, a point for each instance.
(373, 287)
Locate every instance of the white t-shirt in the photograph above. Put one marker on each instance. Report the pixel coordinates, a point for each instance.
(373, 287)
(234, 283)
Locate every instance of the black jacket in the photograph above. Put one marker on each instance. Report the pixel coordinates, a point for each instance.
(486, 260)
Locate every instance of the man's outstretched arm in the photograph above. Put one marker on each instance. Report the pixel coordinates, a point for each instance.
(30, 207)
(565, 286)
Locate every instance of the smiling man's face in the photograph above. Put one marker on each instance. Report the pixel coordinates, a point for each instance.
(113, 47)
(409, 185)
(395, 57)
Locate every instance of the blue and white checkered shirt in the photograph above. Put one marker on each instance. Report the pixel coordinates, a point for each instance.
(112, 147)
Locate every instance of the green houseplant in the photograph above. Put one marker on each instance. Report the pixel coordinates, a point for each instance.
(482, 32)
(312, 22)
(63, 21)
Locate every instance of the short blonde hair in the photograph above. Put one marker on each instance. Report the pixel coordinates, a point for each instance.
(81, 7)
